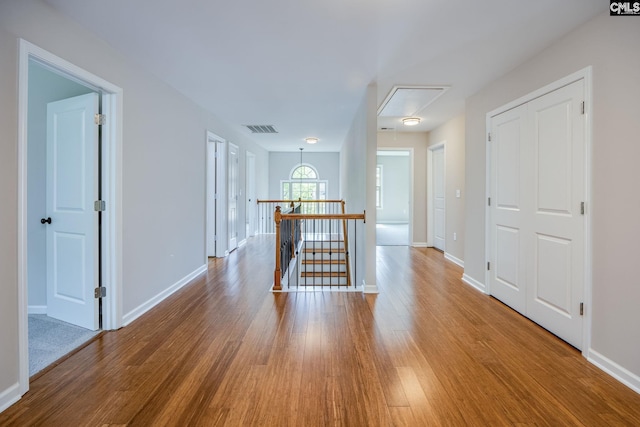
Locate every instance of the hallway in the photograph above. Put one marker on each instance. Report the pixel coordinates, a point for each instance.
(428, 350)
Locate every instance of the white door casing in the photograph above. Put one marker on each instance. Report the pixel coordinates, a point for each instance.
(251, 194)
(111, 159)
(211, 196)
(537, 229)
(232, 200)
(438, 178)
(216, 195)
(72, 188)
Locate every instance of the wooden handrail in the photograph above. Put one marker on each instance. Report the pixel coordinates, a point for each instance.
(361, 216)
(299, 201)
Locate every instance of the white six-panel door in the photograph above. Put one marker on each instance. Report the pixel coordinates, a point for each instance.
(72, 188)
(537, 233)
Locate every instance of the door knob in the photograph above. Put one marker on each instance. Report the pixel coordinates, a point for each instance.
(45, 221)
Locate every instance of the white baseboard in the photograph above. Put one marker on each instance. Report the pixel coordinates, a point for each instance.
(618, 372)
(146, 306)
(373, 289)
(9, 396)
(392, 222)
(419, 245)
(474, 283)
(453, 259)
(242, 243)
(37, 309)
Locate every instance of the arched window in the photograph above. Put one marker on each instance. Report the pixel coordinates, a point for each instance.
(304, 172)
(304, 183)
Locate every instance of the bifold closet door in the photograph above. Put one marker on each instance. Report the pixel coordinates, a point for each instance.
(538, 183)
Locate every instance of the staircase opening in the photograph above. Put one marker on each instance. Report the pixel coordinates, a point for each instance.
(312, 249)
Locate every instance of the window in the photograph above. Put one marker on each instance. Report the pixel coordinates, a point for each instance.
(304, 172)
(379, 186)
(305, 185)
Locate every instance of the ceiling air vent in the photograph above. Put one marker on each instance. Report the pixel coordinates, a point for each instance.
(261, 128)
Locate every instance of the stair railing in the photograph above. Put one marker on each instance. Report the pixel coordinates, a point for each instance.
(287, 240)
(297, 225)
(266, 210)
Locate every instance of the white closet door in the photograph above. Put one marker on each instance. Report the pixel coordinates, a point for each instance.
(556, 262)
(508, 207)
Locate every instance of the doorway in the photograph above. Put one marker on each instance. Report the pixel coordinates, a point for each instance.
(216, 195)
(50, 279)
(394, 190)
(232, 199)
(251, 194)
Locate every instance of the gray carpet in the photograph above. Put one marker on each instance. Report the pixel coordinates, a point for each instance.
(50, 339)
(392, 234)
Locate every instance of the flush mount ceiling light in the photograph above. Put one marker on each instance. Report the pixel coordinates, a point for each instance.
(311, 140)
(411, 121)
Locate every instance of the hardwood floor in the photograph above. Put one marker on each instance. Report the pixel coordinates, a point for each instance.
(428, 350)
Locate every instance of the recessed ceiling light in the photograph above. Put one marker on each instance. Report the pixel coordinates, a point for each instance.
(411, 121)
(311, 140)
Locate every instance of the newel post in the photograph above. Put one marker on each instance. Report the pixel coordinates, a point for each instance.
(277, 274)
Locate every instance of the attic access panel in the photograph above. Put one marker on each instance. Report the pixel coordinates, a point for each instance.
(408, 101)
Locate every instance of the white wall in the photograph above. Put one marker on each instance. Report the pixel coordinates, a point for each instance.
(418, 141)
(163, 167)
(610, 45)
(358, 184)
(453, 134)
(396, 185)
(44, 87)
(327, 164)
(8, 218)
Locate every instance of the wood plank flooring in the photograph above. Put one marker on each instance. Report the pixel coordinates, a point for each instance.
(428, 350)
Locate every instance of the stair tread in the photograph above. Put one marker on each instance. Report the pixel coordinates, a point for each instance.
(324, 274)
(341, 250)
(324, 261)
(325, 285)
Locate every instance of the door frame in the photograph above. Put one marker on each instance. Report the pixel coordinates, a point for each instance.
(111, 192)
(584, 74)
(410, 242)
(215, 222)
(430, 207)
(238, 194)
(250, 191)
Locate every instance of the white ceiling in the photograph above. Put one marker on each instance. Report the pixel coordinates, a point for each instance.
(303, 65)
